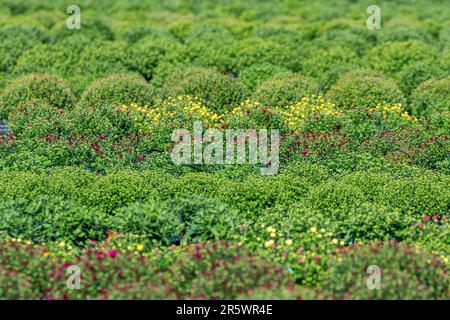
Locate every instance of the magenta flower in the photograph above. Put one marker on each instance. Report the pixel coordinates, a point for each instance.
(112, 253)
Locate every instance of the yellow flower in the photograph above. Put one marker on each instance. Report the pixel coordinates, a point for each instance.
(342, 243)
(46, 254)
(313, 229)
(289, 242)
(273, 234)
(61, 244)
(270, 229)
(140, 247)
(334, 241)
(269, 243)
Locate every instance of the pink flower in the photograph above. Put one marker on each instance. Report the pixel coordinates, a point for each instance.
(435, 217)
(305, 153)
(426, 218)
(317, 258)
(112, 253)
(70, 142)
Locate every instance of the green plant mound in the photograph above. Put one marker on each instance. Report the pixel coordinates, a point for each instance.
(117, 89)
(39, 86)
(37, 119)
(253, 76)
(285, 89)
(15, 40)
(413, 75)
(391, 57)
(405, 273)
(218, 91)
(364, 89)
(431, 96)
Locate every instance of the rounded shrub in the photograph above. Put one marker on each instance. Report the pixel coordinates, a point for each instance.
(39, 86)
(46, 219)
(117, 89)
(253, 76)
(218, 91)
(204, 218)
(92, 28)
(431, 96)
(405, 273)
(15, 40)
(364, 89)
(252, 51)
(152, 220)
(398, 33)
(285, 89)
(147, 53)
(36, 118)
(326, 65)
(413, 75)
(391, 57)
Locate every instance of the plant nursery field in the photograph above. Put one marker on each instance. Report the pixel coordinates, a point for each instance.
(116, 175)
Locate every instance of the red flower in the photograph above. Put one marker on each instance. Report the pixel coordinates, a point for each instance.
(198, 255)
(141, 157)
(426, 218)
(317, 258)
(101, 137)
(70, 142)
(96, 147)
(305, 153)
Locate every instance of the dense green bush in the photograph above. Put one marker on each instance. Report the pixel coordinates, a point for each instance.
(413, 75)
(117, 89)
(51, 219)
(15, 40)
(253, 76)
(204, 218)
(37, 119)
(285, 89)
(149, 50)
(44, 87)
(92, 28)
(150, 220)
(363, 89)
(208, 46)
(391, 57)
(219, 92)
(251, 51)
(327, 65)
(405, 272)
(431, 96)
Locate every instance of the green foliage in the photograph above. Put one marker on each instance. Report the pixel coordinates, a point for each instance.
(361, 88)
(37, 119)
(117, 89)
(405, 273)
(219, 92)
(431, 96)
(15, 40)
(285, 89)
(51, 219)
(413, 75)
(151, 220)
(253, 76)
(392, 57)
(44, 87)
